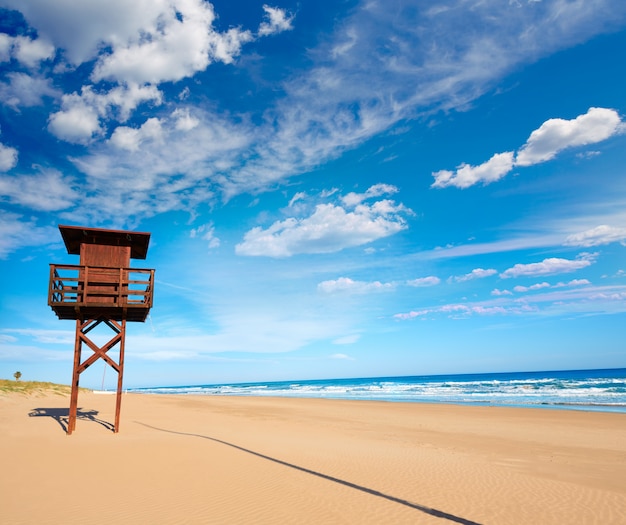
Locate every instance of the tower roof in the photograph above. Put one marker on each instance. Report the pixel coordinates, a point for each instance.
(74, 236)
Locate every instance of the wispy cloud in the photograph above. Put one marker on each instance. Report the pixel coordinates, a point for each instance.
(477, 273)
(49, 190)
(347, 285)
(559, 300)
(424, 281)
(17, 231)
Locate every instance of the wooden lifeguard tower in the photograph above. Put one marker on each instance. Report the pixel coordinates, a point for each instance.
(102, 289)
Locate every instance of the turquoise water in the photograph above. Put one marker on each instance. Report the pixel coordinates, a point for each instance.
(599, 390)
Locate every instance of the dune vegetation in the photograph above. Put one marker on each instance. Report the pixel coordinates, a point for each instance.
(32, 388)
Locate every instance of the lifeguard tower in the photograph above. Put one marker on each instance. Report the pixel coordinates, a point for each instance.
(102, 289)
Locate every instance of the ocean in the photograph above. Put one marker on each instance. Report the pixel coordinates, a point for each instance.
(597, 390)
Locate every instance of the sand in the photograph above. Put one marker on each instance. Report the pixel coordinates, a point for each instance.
(237, 460)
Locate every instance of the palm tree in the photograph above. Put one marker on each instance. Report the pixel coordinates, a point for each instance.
(17, 375)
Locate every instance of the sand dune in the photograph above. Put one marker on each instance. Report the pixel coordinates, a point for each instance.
(238, 460)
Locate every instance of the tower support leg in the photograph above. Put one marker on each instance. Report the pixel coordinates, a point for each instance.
(120, 377)
(71, 422)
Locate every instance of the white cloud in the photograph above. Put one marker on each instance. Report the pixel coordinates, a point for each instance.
(17, 231)
(80, 28)
(26, 90)
(377, 190)
(478, 273)
(25, 50)
(424, 281)
(491, 310)
(58, 337)
(132, 138)
(176, 44)
(347, 285)
(497, 292)
(330, 228)
(79, 118)
(576, 299)
(177, 177)
(206, 232)
(454, 311)
(277, 21)
(603, 234)
(342, 356)
(77, 123)
(538, 286)
(48, 190)
(576, 282)
(556, 134)
(346, 340)
(541, 286)
(184, 120)
(297, 197)
(31, 52)
(552, 265)
(8, 158)
(465, 175)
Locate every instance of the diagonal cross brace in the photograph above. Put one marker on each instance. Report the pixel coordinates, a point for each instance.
(99, 352)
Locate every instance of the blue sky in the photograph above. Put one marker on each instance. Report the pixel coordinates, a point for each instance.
(334, 189)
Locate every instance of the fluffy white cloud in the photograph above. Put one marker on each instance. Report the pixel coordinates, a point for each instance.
(277, 21)
(131, 138)
(553, 136)
(8, 158)
(552, 265)
(184, 120)
(77, 123)
(45, 191)
(175, 45)
(424, 281)
(603, 234)
(30, 52)
(80, 28)
(330, 228)
(465, 175)
(478, 273)
(556, 134)
(345, 284)
(80, 117)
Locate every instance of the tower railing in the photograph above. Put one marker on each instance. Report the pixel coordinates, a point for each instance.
(76, 291)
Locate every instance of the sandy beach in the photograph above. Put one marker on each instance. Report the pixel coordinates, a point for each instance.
(237, 460)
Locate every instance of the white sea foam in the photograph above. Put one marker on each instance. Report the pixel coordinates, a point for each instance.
(605, 390)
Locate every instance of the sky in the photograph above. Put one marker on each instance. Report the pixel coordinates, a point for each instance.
(333, 189)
